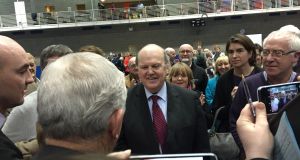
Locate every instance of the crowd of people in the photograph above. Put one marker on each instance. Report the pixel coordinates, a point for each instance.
(156, 102)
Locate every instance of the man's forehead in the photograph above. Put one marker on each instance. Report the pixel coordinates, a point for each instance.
(150, 58)
(12, 49)
(186, 47)
(151, 52)
(276, 43)
(16, 60)
(8, 51)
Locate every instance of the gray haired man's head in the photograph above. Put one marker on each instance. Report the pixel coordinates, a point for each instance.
(78, 95)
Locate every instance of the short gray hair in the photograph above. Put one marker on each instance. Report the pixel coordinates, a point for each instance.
(169, 50)
(290, 28)
(77, 95)
(292, 38)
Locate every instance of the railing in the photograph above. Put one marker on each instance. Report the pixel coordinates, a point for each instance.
(117, 14)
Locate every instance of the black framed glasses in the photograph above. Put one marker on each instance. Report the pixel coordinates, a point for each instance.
(275, 53)
(185, 51)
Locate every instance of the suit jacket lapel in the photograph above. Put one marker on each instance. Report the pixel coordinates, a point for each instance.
(172, 121)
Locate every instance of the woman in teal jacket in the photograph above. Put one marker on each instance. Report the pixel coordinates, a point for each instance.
(221, 66)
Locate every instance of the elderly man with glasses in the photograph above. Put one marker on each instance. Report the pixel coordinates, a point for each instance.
(279, 56)
(199, 74)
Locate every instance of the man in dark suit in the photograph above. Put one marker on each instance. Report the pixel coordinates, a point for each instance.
(14, 78)
(282, 100)
(200, 76)
(182, 126)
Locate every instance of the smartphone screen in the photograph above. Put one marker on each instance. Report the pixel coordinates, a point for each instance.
(276, 97)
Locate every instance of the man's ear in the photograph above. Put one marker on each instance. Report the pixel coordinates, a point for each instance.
(115, 122)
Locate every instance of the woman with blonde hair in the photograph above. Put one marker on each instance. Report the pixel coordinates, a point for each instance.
(221, 66)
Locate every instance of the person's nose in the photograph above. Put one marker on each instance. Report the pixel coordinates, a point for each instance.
(29, 78)
(150, 70)
(234, 54)
(269, 57)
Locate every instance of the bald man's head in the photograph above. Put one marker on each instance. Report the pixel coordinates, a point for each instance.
(14, 73)
(9, 46)
(152, 48)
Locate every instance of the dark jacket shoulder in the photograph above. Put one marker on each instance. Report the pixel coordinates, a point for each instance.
(8, 150)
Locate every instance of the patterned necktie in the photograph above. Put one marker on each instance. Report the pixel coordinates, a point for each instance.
(159, 121)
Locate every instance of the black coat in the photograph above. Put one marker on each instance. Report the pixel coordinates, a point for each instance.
(223, 97)
(200, 78)
(8, 150)
(187, 132)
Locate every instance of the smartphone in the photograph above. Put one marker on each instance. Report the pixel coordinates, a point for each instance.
(195, 156)
(275, 97)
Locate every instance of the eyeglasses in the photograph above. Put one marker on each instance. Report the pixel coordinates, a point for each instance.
(185, 51)
(275, 53)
